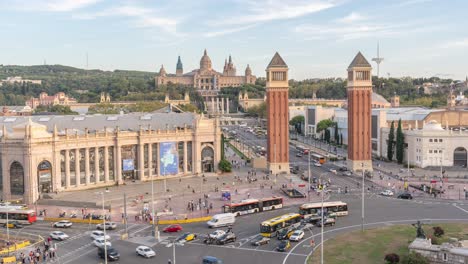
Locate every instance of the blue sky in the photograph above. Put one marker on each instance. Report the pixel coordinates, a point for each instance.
(316, 38)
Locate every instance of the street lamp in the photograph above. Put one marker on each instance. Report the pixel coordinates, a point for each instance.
(308, 191)
(322, 224)
(362, 211)
(104, 216)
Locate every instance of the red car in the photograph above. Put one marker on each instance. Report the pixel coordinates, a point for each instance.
(172, 228)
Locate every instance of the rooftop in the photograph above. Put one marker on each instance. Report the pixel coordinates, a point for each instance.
(359, 61)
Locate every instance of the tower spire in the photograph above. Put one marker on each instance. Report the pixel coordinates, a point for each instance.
(378, 60)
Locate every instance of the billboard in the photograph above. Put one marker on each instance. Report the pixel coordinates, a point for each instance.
(128, 165)
(169, 163)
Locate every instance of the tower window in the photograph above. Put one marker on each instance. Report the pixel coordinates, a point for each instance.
(362, 75)
(350, 75)
(279, 76)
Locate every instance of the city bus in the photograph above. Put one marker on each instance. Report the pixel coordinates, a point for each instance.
(250, 206)
(23, 216)
(334, 208)
(302, 150)
(271, 227)
(317, 158)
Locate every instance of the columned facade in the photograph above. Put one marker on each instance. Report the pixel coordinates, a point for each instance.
(83, 161)
(277, 88)
(359, 114)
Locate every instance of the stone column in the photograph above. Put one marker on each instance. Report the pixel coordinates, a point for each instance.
(185, 157)
(30, 179)
(141, 160)
(118, 166)
(212, 104)
(106, 164)
(87, 174)
(227, 105)
(222, 105)
(5, 177)
(77, 167)
(150, 159)
(96, 165)
(158, 162)
(217, 105)
(67, 169)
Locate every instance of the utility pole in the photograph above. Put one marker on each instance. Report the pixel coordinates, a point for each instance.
(308, 191)
(322, 223)
(125, 214)
(362, 211)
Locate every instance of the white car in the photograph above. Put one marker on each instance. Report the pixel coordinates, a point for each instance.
(317, 164)
(387, 193)
(63, 223)
(145, 251)
(297, 235)
(333, 171)
(108, 226)
(58, 235)
(100, 243)
(217, 234)
(98, 235)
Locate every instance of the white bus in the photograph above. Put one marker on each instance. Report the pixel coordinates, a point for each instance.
(337, 208)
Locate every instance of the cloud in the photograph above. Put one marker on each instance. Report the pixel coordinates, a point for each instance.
(351, 18)
(269, 10)
(413, 2)
(463, 43)
(142, 17)
(48, 5)
(226, 31)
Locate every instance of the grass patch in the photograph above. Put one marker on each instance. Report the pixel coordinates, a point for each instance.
(371, 246)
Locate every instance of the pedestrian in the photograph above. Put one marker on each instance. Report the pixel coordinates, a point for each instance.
(248, 195)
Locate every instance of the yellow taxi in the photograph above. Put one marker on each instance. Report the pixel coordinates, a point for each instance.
(187, 237)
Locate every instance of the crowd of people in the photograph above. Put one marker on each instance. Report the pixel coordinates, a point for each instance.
(41, 254)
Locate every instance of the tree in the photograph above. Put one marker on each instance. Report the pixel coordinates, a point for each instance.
(341, 139)
(400, 143)
(392, 258)
(324, 124)
(438, 231)
(297, 122)
(337, 136)
(327, 136)
(225, 166)
(391, 138)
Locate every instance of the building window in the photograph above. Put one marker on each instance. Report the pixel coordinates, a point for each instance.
(350, 75)
(440, 140)
(111, 163)
(101, 164)
(180, 148)
(82, 166)
(430, 151)
(430, 140)
(440, 151)
(145, 159)
(92, 164)
(71, 154)
(62, 167)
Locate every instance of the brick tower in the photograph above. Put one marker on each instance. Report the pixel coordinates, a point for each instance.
(359, 114)
(277, 110)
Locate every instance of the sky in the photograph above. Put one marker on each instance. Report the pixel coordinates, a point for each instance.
(316, 38)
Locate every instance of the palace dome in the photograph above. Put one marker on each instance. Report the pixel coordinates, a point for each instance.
(205, 62)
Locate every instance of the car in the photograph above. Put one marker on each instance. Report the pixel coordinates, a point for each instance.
(98, 235)
(226, 238)
(172, 228)
(406, 196)
(333, 171)
(145, 251)
(187, 237)
(107, 225)
(299, 154)
(347, 173)
(297, 235)
(58, 235)
(217, 234)
(284, 233)
(100, 242)
(13, 224)
(344, 168)
(387, 193)
(211, 260)
(260, 240)
(283, 246)
(317, 164)
(329, 221)
(63, 224)
(112, 253)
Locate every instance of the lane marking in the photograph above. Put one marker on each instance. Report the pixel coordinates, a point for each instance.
(251, 249)
(460, 208)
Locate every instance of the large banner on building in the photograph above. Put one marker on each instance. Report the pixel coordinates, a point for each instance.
(128, 165)
(169, 163)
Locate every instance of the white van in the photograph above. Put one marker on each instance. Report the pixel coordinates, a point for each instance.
(218, 220)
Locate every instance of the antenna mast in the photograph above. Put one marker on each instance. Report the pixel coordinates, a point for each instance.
(378, 60)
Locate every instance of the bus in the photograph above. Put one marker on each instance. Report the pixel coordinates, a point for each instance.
(317, 158)
(302, 150)
(338, 208)
(23, 216)
(250, 206)
(271, 227)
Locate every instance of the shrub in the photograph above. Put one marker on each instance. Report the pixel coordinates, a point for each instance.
(415, 258)
(392, 258)
(225, 166)
(438, 231)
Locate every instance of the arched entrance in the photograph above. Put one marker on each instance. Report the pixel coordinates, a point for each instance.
(207, 156)
(459, 157)
(44, 177)
(16, 178)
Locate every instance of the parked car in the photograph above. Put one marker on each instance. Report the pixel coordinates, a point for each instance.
(211, 260)
(112, 253)
(299, 154)
(172, 228)
(58, 235)
(344, 168)
(406, 196)
(108, 226)
(63, 224)
(98, 235)
(145, 251)
(317, 164)
(260, 240)
(297, 235)
(387, 193)
(100, 242)
(347, 173)
(329, 221)
(217, 234)
(226, 238)
(283, 246)
(333, 171)
(294, 169)
(186, 237)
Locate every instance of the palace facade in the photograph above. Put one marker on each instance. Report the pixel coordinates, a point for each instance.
(43, 154)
